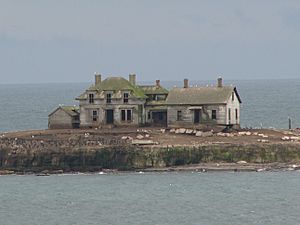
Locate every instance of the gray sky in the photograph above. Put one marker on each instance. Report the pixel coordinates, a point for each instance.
(67, 41)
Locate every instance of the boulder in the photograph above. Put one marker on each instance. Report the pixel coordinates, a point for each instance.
(189, 131)
(172, 130)
(207, 134)
(199, 134)
(241, 162)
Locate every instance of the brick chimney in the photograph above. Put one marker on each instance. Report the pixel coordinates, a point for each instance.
(157, 83)
(132, 79)
(185, 83)
(97, 78)
(220, 82)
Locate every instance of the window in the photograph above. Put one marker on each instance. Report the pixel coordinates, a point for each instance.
(108, 98)
(236, 115)
(214, 114)
(95, 115)
(123, 115)
(179, 115)
(91, 98)
(232, 96)
(149, 115)
(126, 115)
(125, 97)
(229, 115)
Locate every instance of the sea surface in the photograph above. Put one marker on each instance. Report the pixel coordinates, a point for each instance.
(266, 103)
(222, 198)
(186, 198)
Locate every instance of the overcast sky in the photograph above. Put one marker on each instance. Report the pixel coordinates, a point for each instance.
(67, 41)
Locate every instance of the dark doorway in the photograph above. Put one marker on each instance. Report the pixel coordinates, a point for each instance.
(109, 116)
(159, 118)
(197, 115)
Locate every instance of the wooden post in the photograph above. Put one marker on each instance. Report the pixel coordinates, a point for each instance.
(290, 123)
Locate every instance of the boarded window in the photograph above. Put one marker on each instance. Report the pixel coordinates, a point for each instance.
(179, 115)
(95, 115)
(214, 114)
(125, 97)
(91, 98)
(108, 98)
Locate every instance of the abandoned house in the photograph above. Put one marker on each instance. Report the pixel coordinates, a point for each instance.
(64, 117)
(117, 101)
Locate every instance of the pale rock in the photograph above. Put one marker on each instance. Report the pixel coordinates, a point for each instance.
(182, 130)
(162, 131)
(248, 133)
(139, 136)
(207, 134)
(241, 162)
(199, 134)
(172, 130)
(295, 138)
(189, 131)
(147, 135)
(285, 138)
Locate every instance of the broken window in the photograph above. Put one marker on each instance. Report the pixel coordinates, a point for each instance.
(108, 98)
(214, 114)
(179, 115)
(125, 97)
(91, 98)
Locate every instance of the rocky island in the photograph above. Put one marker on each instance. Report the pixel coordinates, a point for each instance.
(151, 149)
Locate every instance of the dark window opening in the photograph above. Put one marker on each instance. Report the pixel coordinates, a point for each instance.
(149, 115)
(125, 97)
(236, 114)
(179, 115)
(128, 115)
(232, 96)
(91, 98)
(95, 115)
(123, 115)
(229, 115)
(108, 98)
(214, 114)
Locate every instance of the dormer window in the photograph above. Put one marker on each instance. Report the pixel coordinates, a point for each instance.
(91, 98)
(108, 98)
(125, 97)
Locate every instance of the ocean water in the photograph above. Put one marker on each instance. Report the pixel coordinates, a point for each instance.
(187, 198)
(152, 199)
(266, 103)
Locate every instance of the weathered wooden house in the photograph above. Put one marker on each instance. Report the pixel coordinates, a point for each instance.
(64, 117)
(202, 106)
(117, 101)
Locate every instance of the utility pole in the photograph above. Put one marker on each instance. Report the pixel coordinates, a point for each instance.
(290, 123)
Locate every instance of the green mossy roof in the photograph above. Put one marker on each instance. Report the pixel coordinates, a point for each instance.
(154, 89)
(116, 84)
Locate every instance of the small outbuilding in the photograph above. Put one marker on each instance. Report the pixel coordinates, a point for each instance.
(64, 117)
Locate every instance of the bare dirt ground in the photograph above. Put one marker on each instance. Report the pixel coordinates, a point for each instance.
(165, 137)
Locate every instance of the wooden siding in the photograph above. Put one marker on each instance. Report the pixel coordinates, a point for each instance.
(59, 120)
